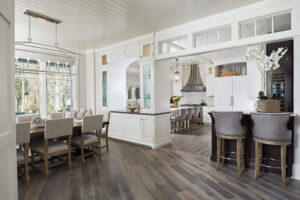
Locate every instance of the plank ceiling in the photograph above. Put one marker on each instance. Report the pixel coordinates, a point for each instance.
(89, 24)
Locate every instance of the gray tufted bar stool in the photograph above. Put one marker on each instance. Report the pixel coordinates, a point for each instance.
(229, 127)
(271, 129)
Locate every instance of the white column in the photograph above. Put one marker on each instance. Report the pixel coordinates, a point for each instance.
(296, 29)
(8, 161)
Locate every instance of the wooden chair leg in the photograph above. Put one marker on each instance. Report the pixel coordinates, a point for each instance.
(238, 155)
(106, 139)
(257, 160)
(46, 165)
(69, 152)
(223, 151)
(32, 160)
(26, 150)
(283, 163)
(218, 152)
(82, 154)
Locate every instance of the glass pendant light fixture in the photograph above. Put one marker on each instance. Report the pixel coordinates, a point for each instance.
(176, 73)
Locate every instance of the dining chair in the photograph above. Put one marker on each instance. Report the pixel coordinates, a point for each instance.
(104, 132)
(56, 115)
(195, 117)
(25, 118)
(90, 136)
(229, 127)
(180, 119)
(271, 129)
(22, 140)
(57, 142)
(189, 116)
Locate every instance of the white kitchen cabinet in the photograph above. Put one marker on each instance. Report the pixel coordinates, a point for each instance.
(231, 94)
(210, 85)
(150, 130)
(146, 49)
(206, 116)
(147, 86)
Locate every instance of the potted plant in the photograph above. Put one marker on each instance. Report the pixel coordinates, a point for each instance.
(176, 99)
(267, 64)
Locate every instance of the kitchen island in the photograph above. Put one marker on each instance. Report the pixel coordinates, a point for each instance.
(269, 151)
(147, 129)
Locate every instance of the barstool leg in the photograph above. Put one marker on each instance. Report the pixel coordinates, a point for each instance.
(243, 154)
(223, 151)
(283, 161)
(218, 152)
(258, 153)
(238, 156)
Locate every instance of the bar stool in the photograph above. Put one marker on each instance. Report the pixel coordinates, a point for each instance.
(172, 116)
(228, 126)
(271, 129)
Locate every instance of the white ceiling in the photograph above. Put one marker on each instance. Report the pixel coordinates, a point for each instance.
(89, 24)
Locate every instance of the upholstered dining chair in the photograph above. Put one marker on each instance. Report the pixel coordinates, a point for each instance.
(90, 136)
(180, 119)
(195, 117)
(23, 138)
(189, 116)
(173, 114)
(25, 118)
(271, 129)
(57, 142)
(229, 127)
(104, 132)
(56, 115)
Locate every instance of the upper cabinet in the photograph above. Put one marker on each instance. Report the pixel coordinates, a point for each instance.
(147, 79)
(146, 49)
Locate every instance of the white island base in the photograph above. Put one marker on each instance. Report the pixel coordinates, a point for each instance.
(151, 130)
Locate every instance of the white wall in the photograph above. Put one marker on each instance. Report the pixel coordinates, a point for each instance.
(162, 92)
(8, 175)
(296, 27)
(90, 81)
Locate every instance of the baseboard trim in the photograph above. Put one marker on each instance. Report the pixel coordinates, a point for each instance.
(296, 172)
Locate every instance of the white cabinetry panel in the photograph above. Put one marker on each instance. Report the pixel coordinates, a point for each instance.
(132, 128)
(147, 130)
(223, 94)
(210, 85)
(239, 89)
(133, 50)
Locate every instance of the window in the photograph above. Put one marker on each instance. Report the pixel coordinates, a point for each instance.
(282, 22)
(267, 25)
(104, 88)
(59, 87)
(218, 35)
(173, 45)
(43, 87)
(27, 87)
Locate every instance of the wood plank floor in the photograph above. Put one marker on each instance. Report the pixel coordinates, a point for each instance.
(181, 170)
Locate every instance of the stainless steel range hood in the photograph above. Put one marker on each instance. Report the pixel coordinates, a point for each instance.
(194, 83)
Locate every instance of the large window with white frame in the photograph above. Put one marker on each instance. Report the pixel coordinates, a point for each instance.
(266, 25)
(44, 86)
(104, 88)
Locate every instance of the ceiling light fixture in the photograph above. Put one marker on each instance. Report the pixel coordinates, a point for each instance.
(177, 74)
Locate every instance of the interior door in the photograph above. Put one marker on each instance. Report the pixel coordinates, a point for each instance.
(223, 100)
(8, 183)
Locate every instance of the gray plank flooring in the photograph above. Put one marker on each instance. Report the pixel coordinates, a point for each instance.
(181, 170)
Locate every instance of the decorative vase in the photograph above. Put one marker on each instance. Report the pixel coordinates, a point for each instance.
(268, 105)
(176, 104)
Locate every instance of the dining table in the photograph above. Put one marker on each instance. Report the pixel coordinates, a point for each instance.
(38, 132)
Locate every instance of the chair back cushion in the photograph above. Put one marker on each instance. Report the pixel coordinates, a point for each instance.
(196, 111)
(229, 123)
(271, 127)
(56, 115)
(91, 123)
(183, 114)
(25, 118)
(190, 113)
(58, 128)
(23, 133)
